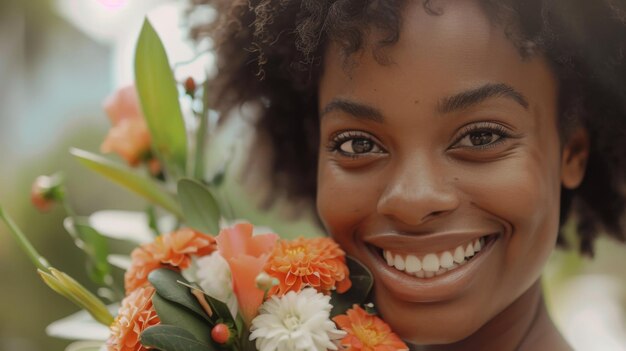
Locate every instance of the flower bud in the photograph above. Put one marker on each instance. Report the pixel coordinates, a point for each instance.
(265, 282)
(220, 333)
(69, 288)
(45, 191)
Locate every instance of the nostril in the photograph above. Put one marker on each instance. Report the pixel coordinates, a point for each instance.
(434, 214)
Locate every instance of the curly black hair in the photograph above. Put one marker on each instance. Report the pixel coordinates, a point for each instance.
(269, 52)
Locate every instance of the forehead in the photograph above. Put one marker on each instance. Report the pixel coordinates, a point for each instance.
(436, 55)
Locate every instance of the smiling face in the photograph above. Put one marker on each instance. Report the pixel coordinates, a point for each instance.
(441, 171)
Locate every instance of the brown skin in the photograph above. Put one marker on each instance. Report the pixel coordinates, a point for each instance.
(425, 181)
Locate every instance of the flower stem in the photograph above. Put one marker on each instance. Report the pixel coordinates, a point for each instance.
(201, 134)
(24, 244)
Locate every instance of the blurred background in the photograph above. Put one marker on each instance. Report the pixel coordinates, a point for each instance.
(58, 61)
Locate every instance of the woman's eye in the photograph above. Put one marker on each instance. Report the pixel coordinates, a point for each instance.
(481, 136)
(358, 146)
(354, 144)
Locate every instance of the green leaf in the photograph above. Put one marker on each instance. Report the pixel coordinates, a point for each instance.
(165, 282)
(158, 94)
(174, 314)
(124, 176)
(239, 325)
(221, 310)
(362, 283)
(152, 220)
(199, 206)
(96, 247)
(172, 338)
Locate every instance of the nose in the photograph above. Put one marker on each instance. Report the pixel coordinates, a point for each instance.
(418, 191)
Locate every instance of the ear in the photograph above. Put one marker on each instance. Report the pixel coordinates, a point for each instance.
(574, 158)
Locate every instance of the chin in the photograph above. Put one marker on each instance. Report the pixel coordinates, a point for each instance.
(428, 323)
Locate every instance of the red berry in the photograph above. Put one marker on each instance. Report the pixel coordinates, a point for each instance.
(190, 86)
(220, 333)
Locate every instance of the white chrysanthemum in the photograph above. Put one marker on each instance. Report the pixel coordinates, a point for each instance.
(295, 322)
(213, 275)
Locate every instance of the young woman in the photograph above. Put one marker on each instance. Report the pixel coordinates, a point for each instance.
(444, 142)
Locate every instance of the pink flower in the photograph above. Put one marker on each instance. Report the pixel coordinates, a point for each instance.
(129, 136)
(246, 256)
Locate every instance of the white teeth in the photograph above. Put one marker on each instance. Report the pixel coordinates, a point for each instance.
(430, 263)
(413, 264)
(389, 257)
(434, 264)
(477, 245)
(446, 260)
(469, 250)
(459, 254)
(398, 262)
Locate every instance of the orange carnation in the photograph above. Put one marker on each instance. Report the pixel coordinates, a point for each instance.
(172, 250)
(135, 315)
(367, 332)
(318, 263)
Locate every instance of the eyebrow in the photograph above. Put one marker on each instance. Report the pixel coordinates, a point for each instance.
(460, 101)
(354, 109)
(468, 98)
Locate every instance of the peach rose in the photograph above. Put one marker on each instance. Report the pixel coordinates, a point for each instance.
(171, 250)
(129, 136)
(135, 315)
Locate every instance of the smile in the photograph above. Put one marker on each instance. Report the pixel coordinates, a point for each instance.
(431, 268)
(435, 263)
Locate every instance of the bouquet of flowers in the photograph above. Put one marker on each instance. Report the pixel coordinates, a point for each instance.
(208, 282)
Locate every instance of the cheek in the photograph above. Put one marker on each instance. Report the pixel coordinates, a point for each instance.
(524, 192)
(343, 199)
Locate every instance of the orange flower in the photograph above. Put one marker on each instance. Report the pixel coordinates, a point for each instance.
(135, 315)
(172, 250)
(318, 263)
(129, 137)
(246, 255)
(367, 332)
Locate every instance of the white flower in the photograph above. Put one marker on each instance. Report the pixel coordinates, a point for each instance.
(295, 322)
(213, 275)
